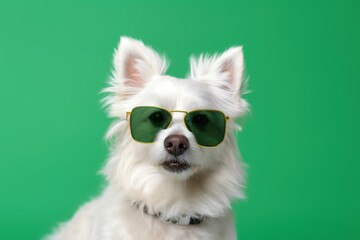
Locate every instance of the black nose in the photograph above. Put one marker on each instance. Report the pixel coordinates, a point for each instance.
(176, 144)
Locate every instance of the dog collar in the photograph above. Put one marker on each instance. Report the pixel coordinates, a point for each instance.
(182, 219)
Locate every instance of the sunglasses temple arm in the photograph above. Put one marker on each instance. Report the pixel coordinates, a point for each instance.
(128, 115)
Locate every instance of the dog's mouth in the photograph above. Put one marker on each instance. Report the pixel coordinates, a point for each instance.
(175, 165)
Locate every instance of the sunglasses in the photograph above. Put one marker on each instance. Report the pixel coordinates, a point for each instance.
(208, 126)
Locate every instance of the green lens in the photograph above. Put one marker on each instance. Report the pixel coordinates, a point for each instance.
(146, 122)
(208, 126)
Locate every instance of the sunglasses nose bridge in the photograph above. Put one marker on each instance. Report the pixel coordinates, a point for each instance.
(177, 116)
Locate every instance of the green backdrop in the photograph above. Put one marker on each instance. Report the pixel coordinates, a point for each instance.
(301, 140)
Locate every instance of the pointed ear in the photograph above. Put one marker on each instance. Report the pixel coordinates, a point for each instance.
(224, 71)
(136, 63)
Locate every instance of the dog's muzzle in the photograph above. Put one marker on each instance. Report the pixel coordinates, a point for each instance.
(176, 145)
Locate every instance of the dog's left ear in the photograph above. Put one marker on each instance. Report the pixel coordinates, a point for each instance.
(135, 64)
(224, 71)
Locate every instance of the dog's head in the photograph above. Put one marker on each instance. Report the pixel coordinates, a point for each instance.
(156, 133)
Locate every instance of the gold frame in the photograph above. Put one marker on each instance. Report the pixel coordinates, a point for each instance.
(186, 113)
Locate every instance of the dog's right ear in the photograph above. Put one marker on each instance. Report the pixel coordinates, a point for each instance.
(134, 65)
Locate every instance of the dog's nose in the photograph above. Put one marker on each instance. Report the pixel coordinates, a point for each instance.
(176, 144)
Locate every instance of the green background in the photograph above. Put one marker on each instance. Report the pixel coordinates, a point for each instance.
(301, 140)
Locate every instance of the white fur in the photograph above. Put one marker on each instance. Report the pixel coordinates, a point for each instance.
(133, 170)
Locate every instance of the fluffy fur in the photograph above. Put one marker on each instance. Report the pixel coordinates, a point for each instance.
(133, 171)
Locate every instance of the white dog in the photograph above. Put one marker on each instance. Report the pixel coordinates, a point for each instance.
(174, 165)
